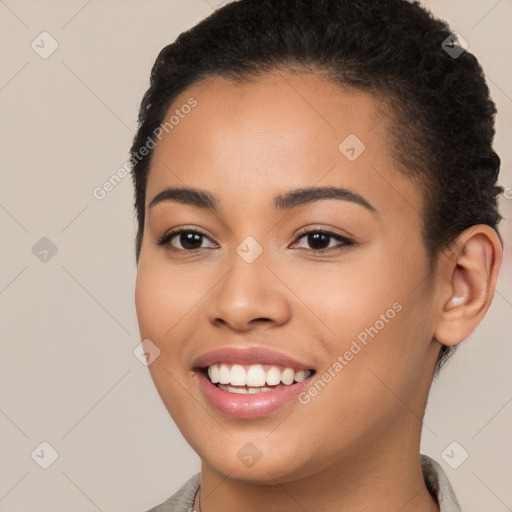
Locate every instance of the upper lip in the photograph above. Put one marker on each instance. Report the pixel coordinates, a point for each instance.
(255, 355)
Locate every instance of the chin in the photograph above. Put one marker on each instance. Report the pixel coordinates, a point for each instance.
(256, 463)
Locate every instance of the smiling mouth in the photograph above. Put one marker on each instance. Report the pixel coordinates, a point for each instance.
(252, 379)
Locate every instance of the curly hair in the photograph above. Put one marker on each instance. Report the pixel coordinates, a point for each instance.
(442, 117)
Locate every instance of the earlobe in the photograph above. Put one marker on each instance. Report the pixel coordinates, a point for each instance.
(472, 273)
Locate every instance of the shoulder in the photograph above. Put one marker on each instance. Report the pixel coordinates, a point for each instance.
(183, 499)
(438, 485)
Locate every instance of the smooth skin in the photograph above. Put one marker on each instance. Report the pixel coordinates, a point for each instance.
(355, 445)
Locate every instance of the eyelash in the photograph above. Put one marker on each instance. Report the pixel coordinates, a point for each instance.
(345, 241)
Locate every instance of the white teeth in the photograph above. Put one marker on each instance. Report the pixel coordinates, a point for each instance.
(288, 376)
(224, 374)
(254, 378)
(240, 391)
(238, 375)
(300, 375)
(244, 391)
(273, 376)
(213, 373)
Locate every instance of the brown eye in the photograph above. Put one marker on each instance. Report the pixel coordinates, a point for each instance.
(320, 240)
(187, 240)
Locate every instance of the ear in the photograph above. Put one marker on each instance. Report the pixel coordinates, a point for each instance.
(470, 272)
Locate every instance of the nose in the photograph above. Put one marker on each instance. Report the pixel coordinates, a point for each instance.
(249, 295)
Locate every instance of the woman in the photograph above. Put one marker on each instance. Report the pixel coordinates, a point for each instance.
(315, 188)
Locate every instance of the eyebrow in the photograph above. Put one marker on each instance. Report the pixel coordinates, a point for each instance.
(287, 201)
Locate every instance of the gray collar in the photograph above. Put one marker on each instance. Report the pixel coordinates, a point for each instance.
(438, 485)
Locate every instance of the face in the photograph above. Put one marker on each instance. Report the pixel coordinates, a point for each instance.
(292, 327)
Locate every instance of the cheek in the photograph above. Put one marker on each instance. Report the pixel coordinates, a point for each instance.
(377, 353)
(147, 303)
(169, 300)
(160, 314)
(162, 298)
(378, 301)
(348, 296)
(159, 309)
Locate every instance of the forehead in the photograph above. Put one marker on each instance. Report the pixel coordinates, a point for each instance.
(260, 138)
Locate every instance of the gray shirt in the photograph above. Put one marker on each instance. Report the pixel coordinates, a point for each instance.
(435, 479)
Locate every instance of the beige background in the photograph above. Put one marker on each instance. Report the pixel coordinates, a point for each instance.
(68, 375)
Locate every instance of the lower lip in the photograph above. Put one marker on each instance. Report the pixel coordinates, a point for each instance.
(249, 406)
